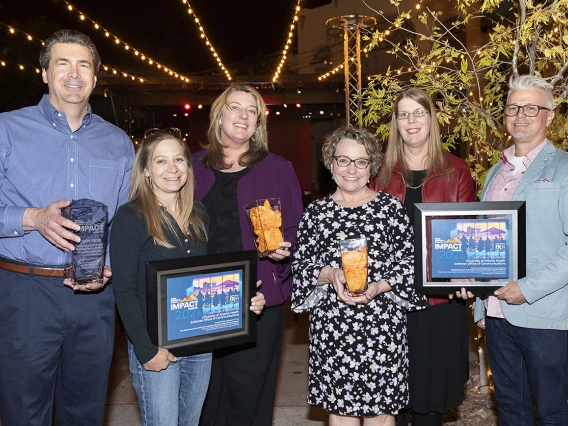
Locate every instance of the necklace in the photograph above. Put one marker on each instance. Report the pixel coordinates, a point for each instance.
(416, 187)
(417, 175)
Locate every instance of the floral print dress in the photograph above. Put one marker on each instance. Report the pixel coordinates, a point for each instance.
(358, 362)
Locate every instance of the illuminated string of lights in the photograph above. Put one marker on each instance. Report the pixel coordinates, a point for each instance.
(340, 66)
(365, 50)
(207, 42)
(12, 30)
(140, 55)
(331, 72)
(288, 43)
(4, 64)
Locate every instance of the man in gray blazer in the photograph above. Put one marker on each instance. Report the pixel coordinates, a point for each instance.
(526, 322)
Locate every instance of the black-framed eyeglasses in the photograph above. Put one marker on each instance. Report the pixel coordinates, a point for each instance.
(403, 115)
(360, 163)
(174, 131)
(529, 110)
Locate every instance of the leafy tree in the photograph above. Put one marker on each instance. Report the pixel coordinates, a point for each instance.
(470, 86)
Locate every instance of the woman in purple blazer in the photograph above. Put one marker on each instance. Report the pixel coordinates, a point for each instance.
(234, 170)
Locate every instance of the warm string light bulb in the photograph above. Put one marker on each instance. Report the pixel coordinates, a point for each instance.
(29, 37)
(208, 43)
(12, 31)
(366, 50)
(288, 43)
(322, 77)
(329, 73)
(20, 67)
(118, 42)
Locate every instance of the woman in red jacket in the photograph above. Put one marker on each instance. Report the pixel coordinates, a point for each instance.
(416, 169)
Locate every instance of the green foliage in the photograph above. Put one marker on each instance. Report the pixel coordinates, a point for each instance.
(470, 86)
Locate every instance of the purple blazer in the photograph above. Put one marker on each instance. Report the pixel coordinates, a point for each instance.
(273, 177)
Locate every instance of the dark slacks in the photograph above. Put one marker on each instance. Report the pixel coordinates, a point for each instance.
(243, 380)
(527, 361)
(54, 344)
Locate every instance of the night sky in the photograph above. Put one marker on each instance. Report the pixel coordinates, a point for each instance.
(239, 31)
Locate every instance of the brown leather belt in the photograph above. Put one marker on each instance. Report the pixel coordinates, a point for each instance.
(31, 269)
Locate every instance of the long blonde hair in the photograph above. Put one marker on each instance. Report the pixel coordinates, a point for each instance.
(191, 217)
(394, 154)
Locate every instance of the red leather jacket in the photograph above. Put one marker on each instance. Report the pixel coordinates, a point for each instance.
(451, 185)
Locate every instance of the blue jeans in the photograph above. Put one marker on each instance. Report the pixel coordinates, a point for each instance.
(173, 396)
(527, 361)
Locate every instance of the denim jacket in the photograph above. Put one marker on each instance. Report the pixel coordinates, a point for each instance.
(544, 188)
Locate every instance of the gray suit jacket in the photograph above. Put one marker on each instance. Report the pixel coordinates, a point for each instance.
(544, 188)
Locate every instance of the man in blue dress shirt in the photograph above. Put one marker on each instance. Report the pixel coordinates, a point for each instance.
(56, 337)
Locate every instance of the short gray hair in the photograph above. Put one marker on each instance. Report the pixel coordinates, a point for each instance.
(68, 37)
(532, 82)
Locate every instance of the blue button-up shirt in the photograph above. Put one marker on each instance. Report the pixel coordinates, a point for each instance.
(42, 161)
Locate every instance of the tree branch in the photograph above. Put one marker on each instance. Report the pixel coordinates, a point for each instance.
(558, 76)
(517, 48)
(532, 51)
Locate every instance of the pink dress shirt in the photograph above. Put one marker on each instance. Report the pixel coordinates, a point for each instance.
(502, 188)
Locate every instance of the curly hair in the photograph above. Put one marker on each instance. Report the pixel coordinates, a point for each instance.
(362, 136)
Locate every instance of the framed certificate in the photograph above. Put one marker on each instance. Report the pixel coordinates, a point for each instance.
(198, 304)
(484, 241)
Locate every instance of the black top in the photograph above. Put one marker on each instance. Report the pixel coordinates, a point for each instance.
(223, 207)
(414, 192)
(130, 248)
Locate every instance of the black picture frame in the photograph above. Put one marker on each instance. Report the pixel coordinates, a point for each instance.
(177, 322)
(441, 255)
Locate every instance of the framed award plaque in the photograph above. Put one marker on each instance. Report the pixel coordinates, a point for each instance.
(483, 244)
(198, 304)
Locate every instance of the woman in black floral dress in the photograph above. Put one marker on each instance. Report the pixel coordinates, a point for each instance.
(358, 363)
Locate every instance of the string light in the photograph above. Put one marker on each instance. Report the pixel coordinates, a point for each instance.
(322, 77)
(288, 43)
(20, 67)
(29, 37)
(206, 40)
(145, 58)
(13, 31)
(367, 49)
(333, 71)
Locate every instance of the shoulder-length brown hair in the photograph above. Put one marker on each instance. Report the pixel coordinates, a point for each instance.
(394, 153)
(258, 145)
(191, 218)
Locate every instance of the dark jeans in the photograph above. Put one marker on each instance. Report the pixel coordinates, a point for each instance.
(527, 361)
(54, 344)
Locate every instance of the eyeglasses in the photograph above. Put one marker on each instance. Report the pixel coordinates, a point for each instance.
(529, 110)
(403, 115)
(360, 163)
(174, 131)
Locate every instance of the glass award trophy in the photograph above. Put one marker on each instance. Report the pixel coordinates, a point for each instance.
(86, 263)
